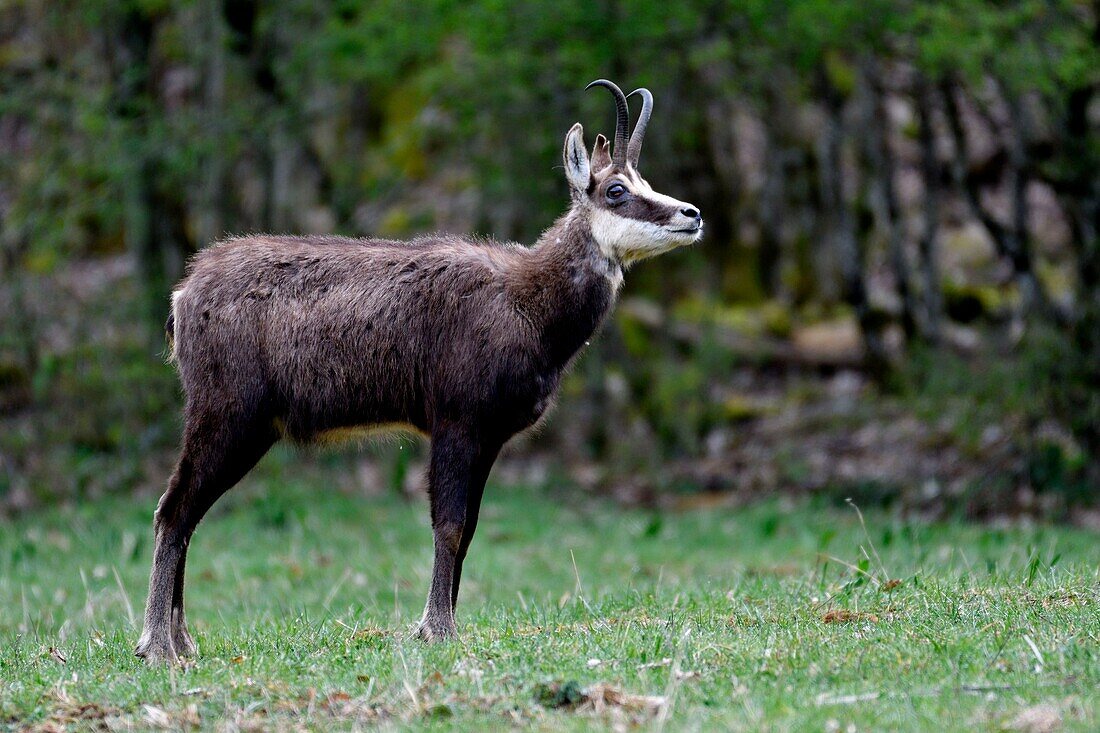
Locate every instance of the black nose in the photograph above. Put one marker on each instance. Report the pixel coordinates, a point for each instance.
(691, 213)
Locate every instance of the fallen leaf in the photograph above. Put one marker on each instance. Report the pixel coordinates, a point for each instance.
(369, 633)
(844, 616)
(597, 698)
(601, 696)
(891, 584)
(1037, 719)
(68, 710)
(156, 717)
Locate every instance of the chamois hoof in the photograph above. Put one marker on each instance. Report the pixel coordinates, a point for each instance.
(156, 652)
(431, 633)
(184, 644)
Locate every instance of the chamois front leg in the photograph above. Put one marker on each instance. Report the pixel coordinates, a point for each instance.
(459, 466)
(473, 507)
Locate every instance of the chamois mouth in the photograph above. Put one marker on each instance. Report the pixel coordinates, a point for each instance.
(689, 230)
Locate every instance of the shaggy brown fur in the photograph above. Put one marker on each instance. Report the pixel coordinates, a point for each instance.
(461, 339)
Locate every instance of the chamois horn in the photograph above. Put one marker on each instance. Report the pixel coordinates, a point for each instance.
(622, 119)
(634, 149)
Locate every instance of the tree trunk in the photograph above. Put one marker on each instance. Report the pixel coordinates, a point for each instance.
(22, 320)
(155, 227)
(881, 157)
(772, 198)
(931, 307)
(281, 157)
(841, 236)
(1032, 298)
(1012, 241)
(720, 167)
(1078, 187)
(213, 213)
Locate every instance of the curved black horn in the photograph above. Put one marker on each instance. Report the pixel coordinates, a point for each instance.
(622, 119)
(634, 150)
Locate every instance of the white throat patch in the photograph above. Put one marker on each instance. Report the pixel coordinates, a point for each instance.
(627, 239)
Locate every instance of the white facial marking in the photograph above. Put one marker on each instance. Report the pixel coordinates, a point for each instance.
(630, 240)
(173, 342)
(643, 189)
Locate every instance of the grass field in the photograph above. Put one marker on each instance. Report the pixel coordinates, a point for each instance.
(574, 614)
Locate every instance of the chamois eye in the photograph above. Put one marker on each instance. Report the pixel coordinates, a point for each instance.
(615, 192)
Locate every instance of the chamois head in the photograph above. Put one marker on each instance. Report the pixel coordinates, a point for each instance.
(629, 220)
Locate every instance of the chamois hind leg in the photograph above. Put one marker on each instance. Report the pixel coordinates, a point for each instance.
(459, 465)
(249, 449)
(218, 449)
(182, 642)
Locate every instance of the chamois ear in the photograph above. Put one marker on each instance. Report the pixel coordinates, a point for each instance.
(601, 153)
(577, 169)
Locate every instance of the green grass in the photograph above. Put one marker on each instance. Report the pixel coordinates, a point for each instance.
(302, 598)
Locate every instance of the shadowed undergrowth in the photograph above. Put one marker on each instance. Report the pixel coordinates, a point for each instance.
(573, 613)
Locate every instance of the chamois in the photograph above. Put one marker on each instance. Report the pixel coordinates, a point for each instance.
(461, 339)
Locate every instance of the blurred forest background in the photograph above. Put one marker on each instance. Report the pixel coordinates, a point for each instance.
(897, 299)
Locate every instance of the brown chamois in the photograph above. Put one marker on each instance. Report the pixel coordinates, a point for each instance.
(461, 339)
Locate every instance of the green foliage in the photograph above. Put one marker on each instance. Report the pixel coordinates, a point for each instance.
(1031, 45)
(478, 85)
(974, 395)
(1067, 377)
(156, 126)
(1052, 469)
(1013, 391)
(95, 416)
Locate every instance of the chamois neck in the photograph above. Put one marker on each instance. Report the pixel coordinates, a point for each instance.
(569, 241)
(568, 286)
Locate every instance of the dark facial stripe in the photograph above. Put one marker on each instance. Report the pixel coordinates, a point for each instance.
(635, 204)
(643, 209)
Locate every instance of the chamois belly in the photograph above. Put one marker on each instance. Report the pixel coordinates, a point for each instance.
(355, 433)
(339, 386)
(334, 409)
(497, 401)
